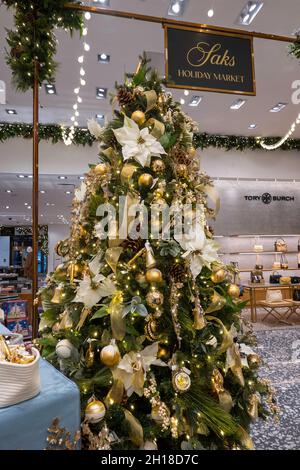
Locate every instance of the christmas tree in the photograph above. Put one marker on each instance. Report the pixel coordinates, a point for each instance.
(142, 314)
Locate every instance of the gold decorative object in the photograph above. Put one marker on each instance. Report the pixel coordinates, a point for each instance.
(192, 151)
(145, 180)
(141, 278)
(59, 438)
(110, 355)
(94, 411)
(101, 169)
(154, 298)
(151, 329)
(138, 117)
(57, 297)
(158, 166)
(90, 356)
(150, 260)
(234, 291)
(199, 319)
(181, 379)
(181, 170)
(217, 302)
(73, 270)
(254, 359)
(252, 407)
(174, 311)
(154, 275)
(218, 276)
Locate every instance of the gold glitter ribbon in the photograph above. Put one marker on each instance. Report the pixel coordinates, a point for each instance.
(158, 128)
(115, 309)
(115, 394)
(151, 98)
(84, 314)
(127, 172)
(252, 407)
(112, 256)
(217, 303)
(136, 432)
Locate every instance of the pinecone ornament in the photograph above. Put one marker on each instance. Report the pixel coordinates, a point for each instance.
(133, 245)
(124, 96)
(177, 272)
(180, 156)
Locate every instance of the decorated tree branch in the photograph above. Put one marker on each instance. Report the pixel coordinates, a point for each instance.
(33, 39)
(147, 321)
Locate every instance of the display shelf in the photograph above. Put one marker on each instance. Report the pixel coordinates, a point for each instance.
(259, 253)
(267, 270)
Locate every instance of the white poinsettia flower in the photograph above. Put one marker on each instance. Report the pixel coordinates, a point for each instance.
(199, 250)
(132, 368)
(90, 292)
(136, 143)
(80, 192)
(94, 128)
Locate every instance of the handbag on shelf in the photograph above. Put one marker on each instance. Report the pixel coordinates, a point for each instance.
(284, 262)
(275, 278)
(295, 279)
(276, 264)
(280, 245)
(296, 295)
(285, 280)
(273, 295)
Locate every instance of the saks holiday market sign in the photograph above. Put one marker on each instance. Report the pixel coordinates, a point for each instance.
(200, 59)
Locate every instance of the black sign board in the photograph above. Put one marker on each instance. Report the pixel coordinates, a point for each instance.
(206, 60)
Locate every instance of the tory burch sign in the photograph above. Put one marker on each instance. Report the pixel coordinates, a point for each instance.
(200, 59)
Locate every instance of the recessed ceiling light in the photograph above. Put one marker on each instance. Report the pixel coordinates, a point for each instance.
(6, 207)
(68, 192)
(103, 58)
(29, 176)
(62, 177)
(252, 126)
(104, 3)
(278, 107)
(50, 89)
(42, 215)
(28, 207)
(42, 191)
(237, 104)
(182, 101)
(99, 117)
(249, 12)
(8, 191)
(210, 13)
(25, 203)
(186, 92)
(195, 100)
(101, 93)
(87, 15)
(176, 7)
(21, 176)
(81, 177)
(11, 111)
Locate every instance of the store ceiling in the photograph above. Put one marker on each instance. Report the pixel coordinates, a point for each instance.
(55, 199)
(124, 40)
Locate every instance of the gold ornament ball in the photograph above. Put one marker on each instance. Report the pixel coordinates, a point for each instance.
(101, 169)
(138, 117)
(158, 166)
(154, 298)
(234, 291)
(154, 275)
(95, 411)
(110, 355)
(181, 170)
(181, 381)
(192, 151)
(145, 180)
(163, 353)
(218, 276)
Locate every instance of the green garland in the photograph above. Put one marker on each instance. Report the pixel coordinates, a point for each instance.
(294, 49)
(33, 39)
(54, 133)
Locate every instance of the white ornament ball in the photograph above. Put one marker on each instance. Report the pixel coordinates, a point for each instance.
(64, 349)
(95, 411)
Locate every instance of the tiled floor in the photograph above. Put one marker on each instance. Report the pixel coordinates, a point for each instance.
(280, 348)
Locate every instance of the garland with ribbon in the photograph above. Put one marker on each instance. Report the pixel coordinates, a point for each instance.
(54, 133)
(294, 49)
(33, 39)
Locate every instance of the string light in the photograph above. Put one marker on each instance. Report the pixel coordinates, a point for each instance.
(68, 137)
(283, 140)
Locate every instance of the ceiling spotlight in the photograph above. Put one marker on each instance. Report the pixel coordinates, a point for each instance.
(68, 192)
(30, 177)
(82, 72)
(76, 91)
(81, 177)
(101, 93)
(82, 82)
(6, 207)
(237, 104)
(80, 59)
(210, 13)
(8, 191)
(42, 191)
(62, 177)
(50, 89)
(186, 92)
(28, 207)
(176, 7)
(103, 58)
(249, 12)
(182, 101)
(195, 100)
(278, 107)
(86, 47)
(252, 126)
(87, 15)
(21, 176)
(25, 203)
(99, 117)
(104, 3)
(11, 111)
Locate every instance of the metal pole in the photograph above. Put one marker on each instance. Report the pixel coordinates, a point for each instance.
(168, 21)
(35, 200)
